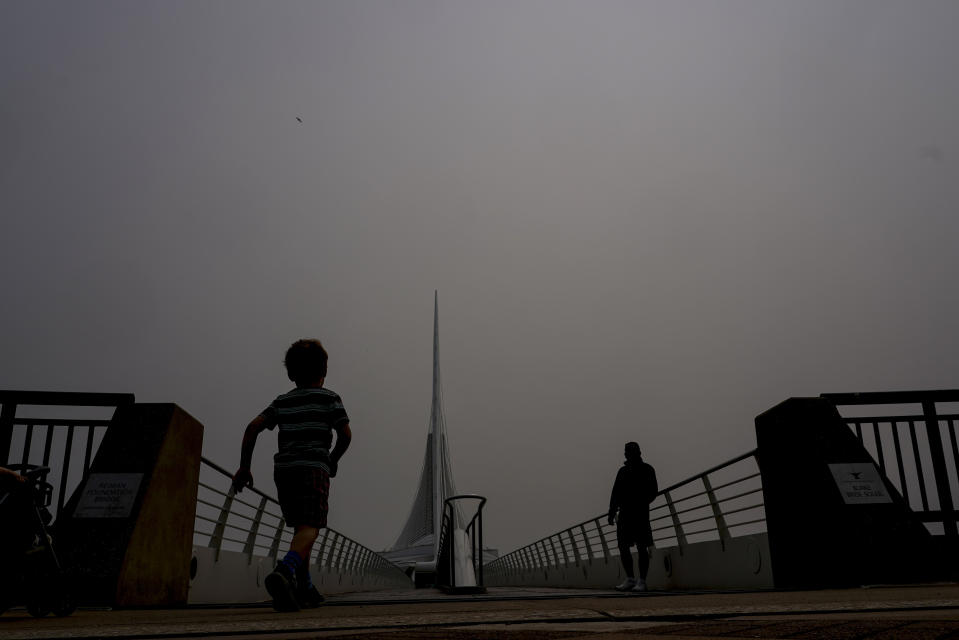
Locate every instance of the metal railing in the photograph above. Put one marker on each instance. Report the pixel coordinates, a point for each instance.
(63, 442)
(910, 449)
(252, 523)
(446, 563)
(720, 503)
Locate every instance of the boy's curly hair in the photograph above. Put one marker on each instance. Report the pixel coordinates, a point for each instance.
(305, 361)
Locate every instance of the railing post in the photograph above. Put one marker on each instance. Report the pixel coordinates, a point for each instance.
(339, 554)
(527, 558)
(251, 538)
(717, 512)
(589, 547)
(354, 557)
(572, 541)
(321, 548)
(552, 544)
(939, 466)
(602, 538)
(545, 552)
(275, 547)
(7, 414)
(330, 551)
(677, 525)
(216, 540)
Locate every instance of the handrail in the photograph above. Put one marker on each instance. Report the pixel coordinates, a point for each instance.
(893, 397)
(671, 488)
(580, 538)
(66, 398)
(335, 551)
(63, 480)
(923, 440)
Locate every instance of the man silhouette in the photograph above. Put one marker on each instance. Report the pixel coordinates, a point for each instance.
(635, 487)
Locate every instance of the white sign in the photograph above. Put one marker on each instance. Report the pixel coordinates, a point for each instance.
(108, 495)
(860, 483)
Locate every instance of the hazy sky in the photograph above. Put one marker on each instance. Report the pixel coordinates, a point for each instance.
(645, 220)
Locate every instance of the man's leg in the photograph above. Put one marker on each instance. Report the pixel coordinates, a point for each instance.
(643, 553)
(626, 558)
(622, 541)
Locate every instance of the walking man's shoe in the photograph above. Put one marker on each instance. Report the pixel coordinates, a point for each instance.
(640, 585)
(627, 585)
(281, 585)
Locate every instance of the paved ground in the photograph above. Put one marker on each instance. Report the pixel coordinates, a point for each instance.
(927, 611)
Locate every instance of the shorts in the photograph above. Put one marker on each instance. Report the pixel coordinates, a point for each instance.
(303, 494)
(634, 531)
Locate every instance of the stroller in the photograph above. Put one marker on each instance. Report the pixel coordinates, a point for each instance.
(30, 571)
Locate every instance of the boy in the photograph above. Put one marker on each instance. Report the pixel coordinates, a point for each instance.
(307, 416)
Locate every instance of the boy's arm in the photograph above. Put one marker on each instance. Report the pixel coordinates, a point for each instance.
(343, 438)
(243, 476)
(10, 477)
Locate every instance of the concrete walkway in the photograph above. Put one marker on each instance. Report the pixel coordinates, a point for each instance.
(927, 611)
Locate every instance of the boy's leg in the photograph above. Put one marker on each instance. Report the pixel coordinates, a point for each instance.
(303, 539)
(315, 514)
(303, 495)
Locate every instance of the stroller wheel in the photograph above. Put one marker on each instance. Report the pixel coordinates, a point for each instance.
(38, 609)
(64, 606)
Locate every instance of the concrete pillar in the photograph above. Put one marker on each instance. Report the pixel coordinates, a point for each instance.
(126, 534)
(821, 533)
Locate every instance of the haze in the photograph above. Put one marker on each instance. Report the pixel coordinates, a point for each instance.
(646, 221)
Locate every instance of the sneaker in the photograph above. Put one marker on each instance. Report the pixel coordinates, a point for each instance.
(309, 597)
(280, 584)
(640, 586)
(627, 585)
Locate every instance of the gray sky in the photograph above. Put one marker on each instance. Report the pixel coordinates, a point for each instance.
(645, 220)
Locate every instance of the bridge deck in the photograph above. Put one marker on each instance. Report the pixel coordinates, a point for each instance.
(926, 611)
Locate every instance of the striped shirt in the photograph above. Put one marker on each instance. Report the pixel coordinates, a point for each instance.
(307, 418)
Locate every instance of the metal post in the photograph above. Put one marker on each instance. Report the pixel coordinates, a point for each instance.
(602, 538)
(552, 545)
(589, 547)
(572, 541)
(527, 560)
(322, 547)
(329, 553)
(677, 526)
(275, 547)
(480, 582)
(251, 537)
(216, 540)
(339, 555)
(939, 465)
(545, 552)
(7, 413)
(717, 513)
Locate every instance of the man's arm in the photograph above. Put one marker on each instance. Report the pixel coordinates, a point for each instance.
(614, 498)
(343, 438)
(653, 485)
(243, 476)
